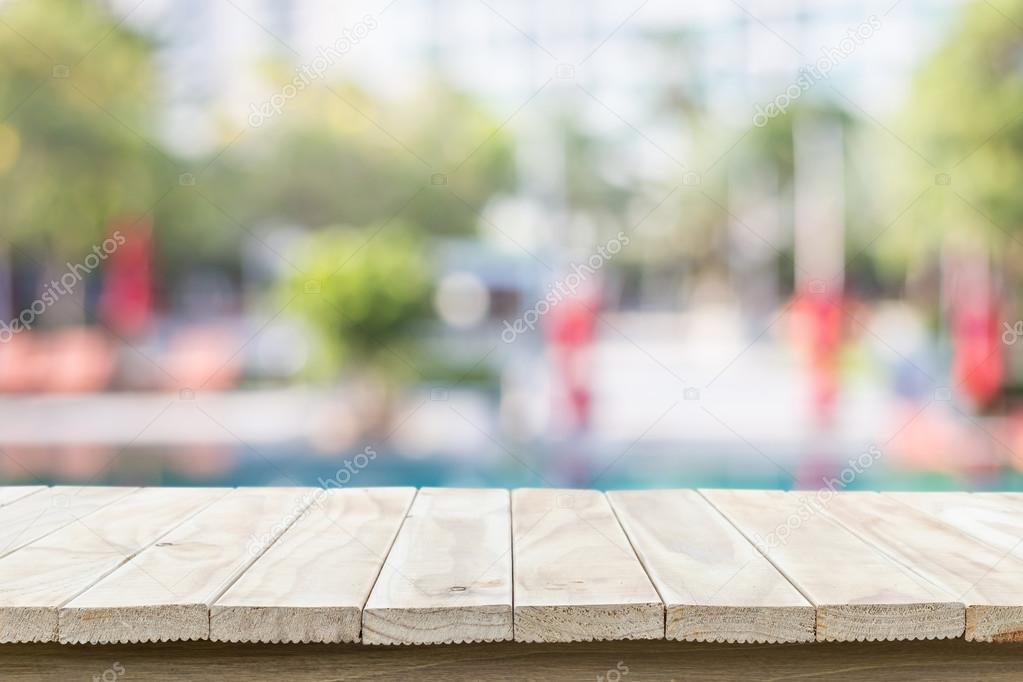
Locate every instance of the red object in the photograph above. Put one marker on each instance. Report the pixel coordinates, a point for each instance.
(571, 327)
(977, 364)
(125, 303)
(817, 327)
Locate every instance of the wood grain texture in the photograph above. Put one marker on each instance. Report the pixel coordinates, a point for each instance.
(13, 493)
(860, 593)
(576, 575)
(165, 592)
(636, 661)
(995, 519)
(26, 520)
(717, 587)
(448, 577)
(312, 584)
(988, 581)
(455, 565)
(43, 576)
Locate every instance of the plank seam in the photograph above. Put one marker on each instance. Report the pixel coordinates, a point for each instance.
(5, 552)
(511, 544)
(778, 568)
(248, 564)
(390, 546)
(896, 560)
(642, 563)
(957, 529)
(25, 497)
(205, 604)
(134, 554)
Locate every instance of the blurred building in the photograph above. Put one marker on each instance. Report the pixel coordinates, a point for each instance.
(624, 73)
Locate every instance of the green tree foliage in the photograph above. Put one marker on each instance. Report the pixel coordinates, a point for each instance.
(79, 148)
(75, 102)
(336, 155)
(390, 178)
(965, 117)
(365, 292)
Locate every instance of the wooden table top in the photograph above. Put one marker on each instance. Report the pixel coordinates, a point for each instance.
(453, 565)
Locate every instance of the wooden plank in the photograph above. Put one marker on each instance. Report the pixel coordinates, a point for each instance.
(448, 576)
(38, 515)
(636, 661)
(13, 493)
(312, 584)
(43, 576)
(993, 518)
(576, 575)
(988, 581)
(165, 592)
(860, 593)
(717, 587)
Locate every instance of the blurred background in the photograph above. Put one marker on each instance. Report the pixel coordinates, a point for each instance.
(758, 243)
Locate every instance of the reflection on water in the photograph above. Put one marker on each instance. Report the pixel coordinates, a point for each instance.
(654, 465)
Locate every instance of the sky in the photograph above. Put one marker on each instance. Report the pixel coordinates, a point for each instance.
(607, 62)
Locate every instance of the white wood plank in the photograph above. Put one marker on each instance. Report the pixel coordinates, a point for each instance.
(40, 578)
(13, 493)
(988, 581)
(993, 518)
(448, 576)
(860, 593)
(312, 584)
(165, 592)
(40, 514)
(717, 587)
(576, 575)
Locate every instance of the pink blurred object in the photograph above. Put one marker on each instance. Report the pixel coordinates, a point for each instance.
(204, 357)
(83, 462)
(977, 365)
(72, 360)
(935, 439)
(76, 360)
(971, 300)
(817, 332)
(17, 369)
(202, 462)
(23, 464)
(570, 328)
(1014, 439)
